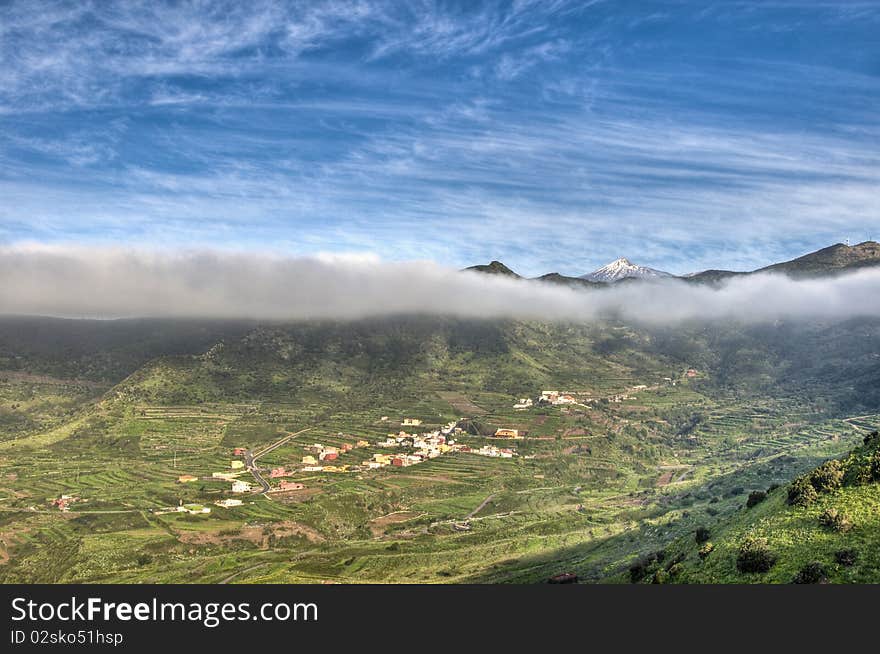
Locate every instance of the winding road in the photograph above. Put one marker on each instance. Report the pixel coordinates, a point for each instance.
(250, 458)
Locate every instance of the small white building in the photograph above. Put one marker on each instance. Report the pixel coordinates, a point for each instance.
(239, 486)
(193, 509)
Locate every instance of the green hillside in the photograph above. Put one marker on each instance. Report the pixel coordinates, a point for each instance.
(102, 351)
(393, 359)
(822, 527)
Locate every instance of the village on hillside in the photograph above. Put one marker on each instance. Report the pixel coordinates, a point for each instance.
(408, 449)
(399, 450)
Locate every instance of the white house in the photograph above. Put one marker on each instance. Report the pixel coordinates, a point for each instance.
(239, 486)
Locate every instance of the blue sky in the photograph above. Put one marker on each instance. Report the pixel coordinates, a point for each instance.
(554, 136)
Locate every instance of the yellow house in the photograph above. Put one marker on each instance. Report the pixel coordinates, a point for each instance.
(236, 465)
(309, 460)
(507, 433)
(183, 479)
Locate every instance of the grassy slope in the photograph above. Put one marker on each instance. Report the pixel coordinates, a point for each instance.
(794, 534)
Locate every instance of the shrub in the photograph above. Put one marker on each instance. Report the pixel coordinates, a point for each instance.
(828, 476)
(836, 520)
(860, 473)
(755, 556)
(864, 463)
(812, 573)
(712, 510)
(660, 577)
(755, 498)
(772, 487)
(674, 561)
(637, 572)
(846, 557)
(801, 492)
(875, 466)
(701, 535)
(641, 568)
(707, 548)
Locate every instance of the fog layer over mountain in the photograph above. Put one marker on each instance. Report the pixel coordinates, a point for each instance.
(111, 283)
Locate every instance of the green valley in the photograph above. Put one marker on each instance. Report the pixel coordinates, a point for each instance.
(130, 479)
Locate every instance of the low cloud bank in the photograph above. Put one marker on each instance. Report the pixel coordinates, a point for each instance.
(116, 282)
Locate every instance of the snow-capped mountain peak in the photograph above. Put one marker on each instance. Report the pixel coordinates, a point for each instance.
(621, 269)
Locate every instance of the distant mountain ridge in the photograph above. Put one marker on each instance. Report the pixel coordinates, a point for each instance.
(832, 260)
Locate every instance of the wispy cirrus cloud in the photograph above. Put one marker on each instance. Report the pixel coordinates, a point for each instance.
(554, 135)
